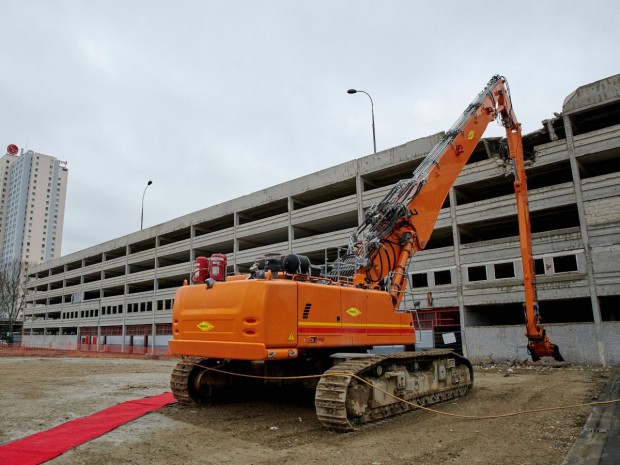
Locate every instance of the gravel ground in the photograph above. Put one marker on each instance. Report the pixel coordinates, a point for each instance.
(41, 392)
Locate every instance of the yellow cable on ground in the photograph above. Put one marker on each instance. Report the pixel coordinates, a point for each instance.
(413, 404)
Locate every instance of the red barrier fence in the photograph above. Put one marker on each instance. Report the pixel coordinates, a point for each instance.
(83, 350)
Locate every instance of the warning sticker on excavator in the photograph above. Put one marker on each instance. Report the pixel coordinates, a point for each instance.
(354, 311)
(291, 337)
(471, 135)
(205, 326)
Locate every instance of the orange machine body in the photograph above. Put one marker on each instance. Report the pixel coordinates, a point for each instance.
(275, 319)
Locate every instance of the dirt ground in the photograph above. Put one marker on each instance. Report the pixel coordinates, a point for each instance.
(38, 393)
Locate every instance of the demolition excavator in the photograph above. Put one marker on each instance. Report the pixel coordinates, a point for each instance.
(293, 322)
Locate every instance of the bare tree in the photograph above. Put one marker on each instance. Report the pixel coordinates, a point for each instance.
(13, 277)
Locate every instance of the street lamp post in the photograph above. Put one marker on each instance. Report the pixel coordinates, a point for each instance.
(372, 110)
(142, 213)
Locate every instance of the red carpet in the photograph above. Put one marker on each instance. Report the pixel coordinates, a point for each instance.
(46, 445)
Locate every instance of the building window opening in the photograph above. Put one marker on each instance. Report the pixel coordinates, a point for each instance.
(610, 307)
(577, 310)
(443, 277)
(419, 280)
(477, 273)
(565, 263)
(539, 266)
(504, 270)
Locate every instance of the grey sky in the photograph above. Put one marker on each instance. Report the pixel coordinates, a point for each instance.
(217, 99)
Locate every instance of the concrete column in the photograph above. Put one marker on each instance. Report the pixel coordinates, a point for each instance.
(359, 192)
(124, 327)
(456, 238)
(153, 311)
(79, 323)
(99, 321)
(192, 254)
(291, 231)
(81, 294)
(235, 241)
(583, 227)
(156, 282)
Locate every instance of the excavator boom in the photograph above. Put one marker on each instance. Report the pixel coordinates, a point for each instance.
(402, 223)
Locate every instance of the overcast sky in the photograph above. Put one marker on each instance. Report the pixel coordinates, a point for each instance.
(212, 100)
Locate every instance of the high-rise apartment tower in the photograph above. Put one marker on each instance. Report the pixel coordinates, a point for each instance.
(32, 206)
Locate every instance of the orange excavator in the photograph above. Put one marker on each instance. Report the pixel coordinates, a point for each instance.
(287, 323)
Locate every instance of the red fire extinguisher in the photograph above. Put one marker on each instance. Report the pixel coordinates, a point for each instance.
(217, 267)
(201, 270)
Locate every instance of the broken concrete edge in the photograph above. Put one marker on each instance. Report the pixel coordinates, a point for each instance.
(589, 445)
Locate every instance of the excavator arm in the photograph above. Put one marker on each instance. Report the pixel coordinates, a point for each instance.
(402, 223)
(538, 340)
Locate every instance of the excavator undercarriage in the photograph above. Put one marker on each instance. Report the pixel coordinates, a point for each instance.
(358, 389)
(367, 389)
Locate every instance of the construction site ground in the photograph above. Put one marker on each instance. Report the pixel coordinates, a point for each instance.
(38, 393)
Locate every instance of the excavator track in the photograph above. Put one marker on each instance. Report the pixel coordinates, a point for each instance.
(180, 380)
(344, 403)
(197, 380)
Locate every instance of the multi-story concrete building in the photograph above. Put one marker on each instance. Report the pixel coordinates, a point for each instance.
(32, 207)
(466, 285)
